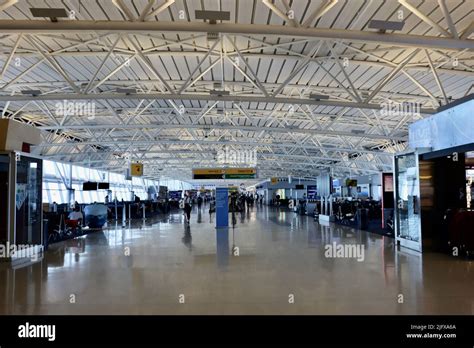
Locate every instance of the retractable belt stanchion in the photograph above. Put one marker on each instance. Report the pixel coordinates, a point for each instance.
(326, 211)
(124, 217)
(330, 205)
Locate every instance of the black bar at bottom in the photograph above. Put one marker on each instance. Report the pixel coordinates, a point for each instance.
(139, 330)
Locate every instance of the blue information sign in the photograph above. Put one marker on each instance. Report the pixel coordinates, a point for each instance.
(222, 207)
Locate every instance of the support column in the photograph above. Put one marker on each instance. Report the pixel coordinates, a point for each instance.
(222, 207)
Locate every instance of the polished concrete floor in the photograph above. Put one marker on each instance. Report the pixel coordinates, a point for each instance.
(164, 267)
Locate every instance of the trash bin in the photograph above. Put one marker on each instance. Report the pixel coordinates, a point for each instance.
(362, 218)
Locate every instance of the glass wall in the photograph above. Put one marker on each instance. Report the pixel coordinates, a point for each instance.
(407, 196)
(28, 201)
(4, 197)
(56, 179)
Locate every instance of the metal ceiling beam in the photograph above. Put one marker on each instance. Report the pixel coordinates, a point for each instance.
(262, 162)
(209, 142)
(319, 12)
(10, 57)
(221, 127)
(412, 66)
(203, 84)
(6, 4)
(435, 74)
(99, 156)
(254, 116)
(448, 18)
(41, 26)
(146, 10)
(424, 18)
(468, 31)
(159, 9)
(171, 151)
(124, 9)
(205, 97)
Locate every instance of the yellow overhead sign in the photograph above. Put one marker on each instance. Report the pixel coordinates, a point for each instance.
(225, 173)
(240, 171)
(208, 171)
(136, 169)
(274, 180)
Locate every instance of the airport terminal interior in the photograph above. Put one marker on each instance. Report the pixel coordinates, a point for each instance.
(236, 157)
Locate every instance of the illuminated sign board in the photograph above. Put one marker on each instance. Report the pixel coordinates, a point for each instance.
(225, 173)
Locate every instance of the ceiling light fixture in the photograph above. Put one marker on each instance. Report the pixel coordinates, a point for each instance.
(212, 16)
(32, 92)
(126, 91)
(318, 96)
(383, 26)
(357, 131)
(51, 13)
(219, 93)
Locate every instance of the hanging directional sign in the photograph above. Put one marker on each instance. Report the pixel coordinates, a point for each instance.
(136, 169)
(240, 173)
(225, 173)
(211, 173)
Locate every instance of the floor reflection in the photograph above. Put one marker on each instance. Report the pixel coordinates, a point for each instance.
(248, 268)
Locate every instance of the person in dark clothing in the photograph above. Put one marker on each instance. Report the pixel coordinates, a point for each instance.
(137, 202)
(187, 207)
(199, 201)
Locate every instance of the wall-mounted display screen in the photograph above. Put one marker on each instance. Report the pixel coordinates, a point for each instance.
(104, 186)
(175, 195)
(311, 192)
(299, 187)
(388, 183)
(89, 186)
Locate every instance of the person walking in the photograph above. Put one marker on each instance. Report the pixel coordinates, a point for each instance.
(187, 207)
(199, 200)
